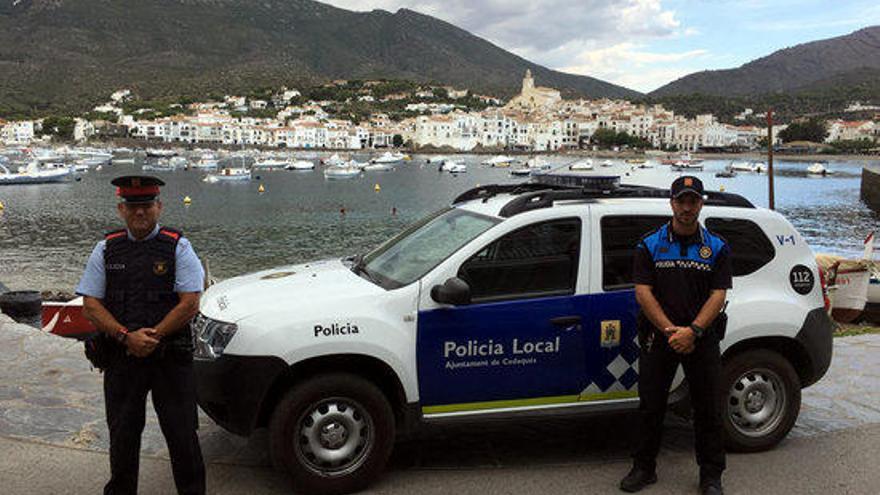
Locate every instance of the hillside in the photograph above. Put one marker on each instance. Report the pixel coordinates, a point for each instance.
(65, 55)
(842, 60)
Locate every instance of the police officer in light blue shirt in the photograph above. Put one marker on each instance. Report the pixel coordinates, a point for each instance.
(189, 275)
(141, 288)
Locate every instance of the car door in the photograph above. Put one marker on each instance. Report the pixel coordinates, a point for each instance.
(519, 342)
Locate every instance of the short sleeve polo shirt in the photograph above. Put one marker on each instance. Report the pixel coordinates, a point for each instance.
(682, 272)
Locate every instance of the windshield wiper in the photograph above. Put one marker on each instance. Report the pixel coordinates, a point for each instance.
(359, 267)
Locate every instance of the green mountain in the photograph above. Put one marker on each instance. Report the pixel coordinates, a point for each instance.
(840, 61)
(68, 54)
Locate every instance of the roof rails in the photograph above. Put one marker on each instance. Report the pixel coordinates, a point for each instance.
(548, 188)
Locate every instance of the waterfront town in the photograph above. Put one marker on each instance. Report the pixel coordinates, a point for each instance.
(538, 119)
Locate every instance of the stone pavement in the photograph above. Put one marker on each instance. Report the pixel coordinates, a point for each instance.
(50, 395)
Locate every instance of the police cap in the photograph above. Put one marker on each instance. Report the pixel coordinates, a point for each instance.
(686, 184)
(137, 188)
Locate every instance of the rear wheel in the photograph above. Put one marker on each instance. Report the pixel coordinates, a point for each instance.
(332, 433)
(762, 400)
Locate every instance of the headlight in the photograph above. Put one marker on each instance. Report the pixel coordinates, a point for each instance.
(210, 337)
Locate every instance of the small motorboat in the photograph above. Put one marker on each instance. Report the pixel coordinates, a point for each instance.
(819, 169)
(388, 158)
(606, 163)
(33, 173)
(333, 161)
(379, 167)
(236, 174)
(160, 153)
(270, 164)
(300, 165)
(682, 165)
(436, 159)
(500, 161)
(347, 171)
(161, 165)
(520, 171)
(582, 165)
(453, 167)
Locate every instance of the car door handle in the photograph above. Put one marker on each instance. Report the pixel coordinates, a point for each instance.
(566, 321)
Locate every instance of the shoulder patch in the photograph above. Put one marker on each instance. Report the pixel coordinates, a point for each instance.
(170, 233)
(114, 234)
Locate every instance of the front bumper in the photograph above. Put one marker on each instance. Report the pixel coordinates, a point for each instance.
(816, 338)
(232, 389)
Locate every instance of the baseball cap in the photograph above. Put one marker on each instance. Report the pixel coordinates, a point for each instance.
(686, 184)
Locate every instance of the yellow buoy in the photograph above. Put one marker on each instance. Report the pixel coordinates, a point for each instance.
(721, 188)
(187, 200)
(1, 206)
(377, 188)
(261, 189)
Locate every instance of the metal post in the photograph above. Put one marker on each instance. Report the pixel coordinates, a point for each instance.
(770, 159)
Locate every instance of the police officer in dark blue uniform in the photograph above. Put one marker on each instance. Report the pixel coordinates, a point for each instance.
(141, 288)
(682, 273)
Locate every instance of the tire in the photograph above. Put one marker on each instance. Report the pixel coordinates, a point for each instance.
(21, 303)
(762, 398)
(311, 434)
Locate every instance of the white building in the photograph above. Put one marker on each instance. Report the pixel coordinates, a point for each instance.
(17, 132)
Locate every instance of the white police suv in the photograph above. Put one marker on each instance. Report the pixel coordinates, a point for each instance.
(515, 300)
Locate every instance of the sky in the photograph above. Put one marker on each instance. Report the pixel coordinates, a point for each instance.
(642, 44)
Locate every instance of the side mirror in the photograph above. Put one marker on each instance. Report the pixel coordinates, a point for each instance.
(454, 291)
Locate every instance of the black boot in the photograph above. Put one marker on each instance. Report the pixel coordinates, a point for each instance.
(637, 479)
(711, 487)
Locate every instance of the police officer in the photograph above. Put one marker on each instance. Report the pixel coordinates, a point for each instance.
(141, 287)
(682, 273)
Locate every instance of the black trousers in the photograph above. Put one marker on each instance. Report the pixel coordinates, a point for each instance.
(658, 363)
(170, 379)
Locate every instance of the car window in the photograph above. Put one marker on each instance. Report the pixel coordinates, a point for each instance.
(535, 261)
(417, 250)
(749, 246)
(620, 235)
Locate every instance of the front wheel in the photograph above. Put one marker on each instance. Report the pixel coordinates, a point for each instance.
(762, 400)
(332, 433)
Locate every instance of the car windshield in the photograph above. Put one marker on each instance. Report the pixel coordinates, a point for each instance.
(414, 252)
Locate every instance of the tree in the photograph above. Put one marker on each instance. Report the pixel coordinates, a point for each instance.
(397, 141)
(810, 130)
(59, 126)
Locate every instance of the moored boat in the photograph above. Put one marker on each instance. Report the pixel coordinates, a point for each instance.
(33, 173)
(300, 165)
(347, 171)
(231, 174)
(819, 169)
(498, 161)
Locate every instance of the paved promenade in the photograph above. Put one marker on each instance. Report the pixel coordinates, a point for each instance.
(51, 421)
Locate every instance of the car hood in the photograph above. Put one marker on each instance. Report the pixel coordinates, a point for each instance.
(284, 288)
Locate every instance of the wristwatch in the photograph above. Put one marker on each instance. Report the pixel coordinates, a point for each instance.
(698, 330)
(121, 334)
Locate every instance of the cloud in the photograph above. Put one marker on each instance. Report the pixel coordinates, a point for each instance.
(531, 25)
(628, 64)
(583, 36)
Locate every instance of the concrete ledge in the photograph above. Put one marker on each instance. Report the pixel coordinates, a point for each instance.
(870, 189)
